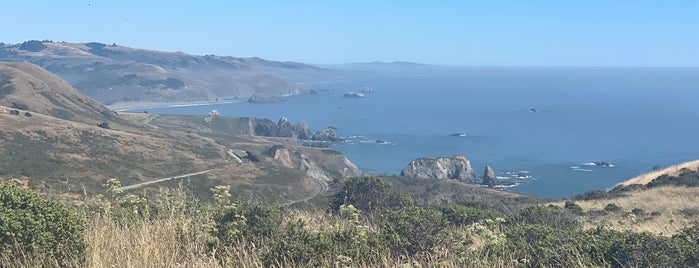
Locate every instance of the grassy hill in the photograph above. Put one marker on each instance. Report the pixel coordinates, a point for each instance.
(661, 202)
(114, 74)
(61, 141)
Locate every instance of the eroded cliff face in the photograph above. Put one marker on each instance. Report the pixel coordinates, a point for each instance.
(330, 167)
(456, 167)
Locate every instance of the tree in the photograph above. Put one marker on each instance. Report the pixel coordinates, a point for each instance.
(33, 46)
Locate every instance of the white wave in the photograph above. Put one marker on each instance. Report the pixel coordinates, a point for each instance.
(598, 164)
(502, 178)
(582, 169)
(507, 186)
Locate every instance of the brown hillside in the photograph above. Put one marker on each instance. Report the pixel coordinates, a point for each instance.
(49, 136)
(30, 87)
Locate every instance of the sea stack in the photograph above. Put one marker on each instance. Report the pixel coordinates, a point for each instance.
(489, 177)
(457, 167)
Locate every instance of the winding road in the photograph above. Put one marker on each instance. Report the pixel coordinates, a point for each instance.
(139, 185)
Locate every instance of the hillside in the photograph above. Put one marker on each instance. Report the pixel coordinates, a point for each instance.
(114, 74)
(50, 138)
(662, 202)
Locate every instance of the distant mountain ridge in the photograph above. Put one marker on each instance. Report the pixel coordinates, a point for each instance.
(114, 73)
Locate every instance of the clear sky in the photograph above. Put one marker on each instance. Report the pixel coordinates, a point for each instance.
(513, 33)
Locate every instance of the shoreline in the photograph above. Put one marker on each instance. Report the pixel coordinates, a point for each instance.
(142, 105)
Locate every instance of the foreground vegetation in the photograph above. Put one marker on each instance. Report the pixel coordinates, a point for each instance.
(367, 224)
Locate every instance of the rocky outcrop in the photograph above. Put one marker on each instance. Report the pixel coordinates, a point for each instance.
(457, 167)
(332, 165)
(327, 134)
(489, 177)
(283, 128)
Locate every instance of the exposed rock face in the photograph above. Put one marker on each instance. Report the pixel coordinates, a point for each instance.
(457, 167)
(331, 166)
(489, 177)
(283, 128)
(327, 134)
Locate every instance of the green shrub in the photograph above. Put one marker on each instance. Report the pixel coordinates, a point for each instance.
(367, 193)
(551, 216)
(461, 215)
(638, 212)
(298, 247)
(414, 229)
(30, 224)
(631, 249)
(573, 208)
(612, 208)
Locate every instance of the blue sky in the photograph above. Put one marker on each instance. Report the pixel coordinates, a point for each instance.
(503, 33)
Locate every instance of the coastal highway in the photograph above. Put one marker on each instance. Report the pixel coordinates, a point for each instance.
(139, 185)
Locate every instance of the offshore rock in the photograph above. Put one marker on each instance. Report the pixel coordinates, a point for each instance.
(327, 134)
(489, 177)
(457, 167)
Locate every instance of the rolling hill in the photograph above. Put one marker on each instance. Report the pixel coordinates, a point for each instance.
(60, 140)
(116, 74)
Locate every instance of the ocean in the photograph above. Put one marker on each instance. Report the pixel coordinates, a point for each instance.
(549, 124)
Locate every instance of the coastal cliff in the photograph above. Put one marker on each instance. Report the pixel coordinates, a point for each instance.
(456, 167)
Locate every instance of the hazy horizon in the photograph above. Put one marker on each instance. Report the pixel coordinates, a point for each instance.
(482, 33)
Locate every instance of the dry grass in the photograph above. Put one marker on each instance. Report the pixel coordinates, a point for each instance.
(669, 201)
(162, 243)
(672, 171)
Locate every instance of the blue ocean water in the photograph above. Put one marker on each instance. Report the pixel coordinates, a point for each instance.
(633, 118)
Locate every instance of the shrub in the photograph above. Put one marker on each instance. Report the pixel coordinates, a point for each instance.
(464, 215)
(104, 125)
(551, 216)
(298, 247)
(367, 193)
(573, 208)
(591, 195)
(414, 229)
(638, 212)
(30, 224)
(612, 207)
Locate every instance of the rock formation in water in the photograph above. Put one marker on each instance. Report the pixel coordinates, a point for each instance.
(457, 167)
(327, 134)
(489, 177)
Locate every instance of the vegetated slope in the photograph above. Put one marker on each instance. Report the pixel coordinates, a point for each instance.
(443, 192)
(113, 73)
(672, 171)
(31, 88)
(62, 141)
(662, 202)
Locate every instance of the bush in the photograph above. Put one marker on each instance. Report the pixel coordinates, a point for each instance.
(592, 195)
(104, 125)
(464, 215)
(30, 224)
(612, 208)
(638, 212)
(551, 216)
(573, 208)
(367, 193)
(414, 229)
(298, 247)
